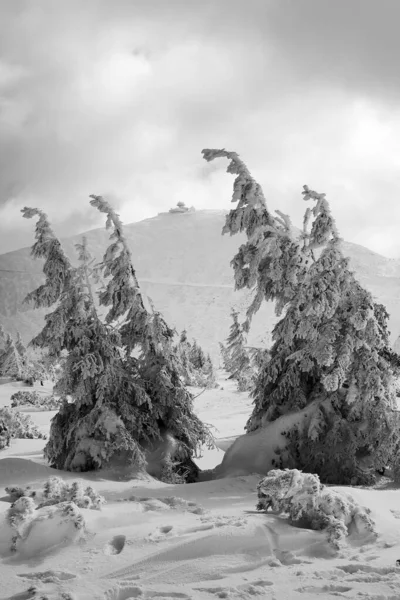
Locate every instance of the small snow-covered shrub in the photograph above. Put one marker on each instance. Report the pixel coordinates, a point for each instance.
(66, 499)
(35, 529)
(51, 402)
(312, 505)
(5, 435)
(169, 474)
(18, 516)
(20, 425)
(24, 398)
(16, 492)
(57, 490)
(71, 512)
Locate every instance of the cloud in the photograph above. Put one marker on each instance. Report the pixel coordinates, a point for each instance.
(120, 98)
(340, 44)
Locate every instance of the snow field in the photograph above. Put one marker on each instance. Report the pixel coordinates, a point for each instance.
(200, 541)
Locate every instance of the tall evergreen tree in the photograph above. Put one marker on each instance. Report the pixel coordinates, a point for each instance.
(171, 405)
(3, 338)
(239, 357)
(225, 357)
(183, 351)
(330, 354)
(11, 364)
(38, 365)
(86, 433)
(120, 403)
(197, 356)
(19, 344)
(195, 368)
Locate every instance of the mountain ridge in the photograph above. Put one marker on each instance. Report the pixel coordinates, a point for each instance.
(182, 262)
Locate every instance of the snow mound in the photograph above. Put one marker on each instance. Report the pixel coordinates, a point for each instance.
(30, 532)
(312, 505)
(256, 451)
(17, 470)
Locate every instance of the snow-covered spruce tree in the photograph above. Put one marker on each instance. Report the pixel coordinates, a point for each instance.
(19, 344)
(11, 363)
(223, 350)
(38, 366)
(197, 356)
(3, 339)
(208, 369)
(182, 349)
(239, 360)
(330, 360)
(167, 408)
(240, 364)
(108, 404)
(195, 367)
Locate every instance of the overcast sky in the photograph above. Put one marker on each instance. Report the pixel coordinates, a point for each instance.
(119, 98)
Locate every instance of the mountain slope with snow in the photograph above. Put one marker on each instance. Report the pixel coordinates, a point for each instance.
(183, 264)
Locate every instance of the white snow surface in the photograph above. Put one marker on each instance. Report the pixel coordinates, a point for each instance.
(197, 541)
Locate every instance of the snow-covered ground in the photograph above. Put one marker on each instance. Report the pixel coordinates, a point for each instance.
(197, 541)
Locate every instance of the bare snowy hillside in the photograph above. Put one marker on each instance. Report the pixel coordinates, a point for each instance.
(183, 264)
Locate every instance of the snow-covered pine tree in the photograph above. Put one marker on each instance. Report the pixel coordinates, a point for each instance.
(208, 367)
(38, 365)
(330, 360)
(21, 349)
(238, 359)
(3, 341)
(197, 356)
(11, 364)
(225, 357)
(235, 343)
(3, 338)
(19, 344)
(103, 422)
(182, 349)
(169, 407)
(195, 368)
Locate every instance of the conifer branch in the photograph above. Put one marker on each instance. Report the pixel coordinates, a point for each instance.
(57, 267)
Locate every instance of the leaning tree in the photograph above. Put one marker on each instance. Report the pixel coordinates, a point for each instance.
(330, 361)
(120, 386)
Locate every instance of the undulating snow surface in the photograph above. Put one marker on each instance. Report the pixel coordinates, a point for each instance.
(197, 541)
